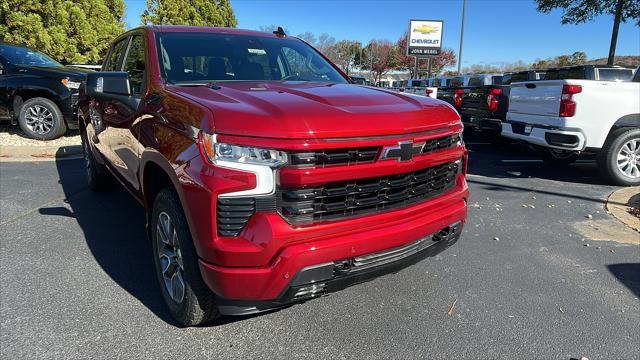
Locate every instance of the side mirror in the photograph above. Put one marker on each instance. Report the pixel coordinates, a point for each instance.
(107, 84)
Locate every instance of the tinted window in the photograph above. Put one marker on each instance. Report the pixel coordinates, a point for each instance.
(203, 57)
(436, 83)
(135, 64)
(114, 58)
(576, 73)
(476, 81)
(457, 81)
(615, 74)
(22, 56)
(517, 77)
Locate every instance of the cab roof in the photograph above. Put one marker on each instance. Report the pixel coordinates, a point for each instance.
(204, 29)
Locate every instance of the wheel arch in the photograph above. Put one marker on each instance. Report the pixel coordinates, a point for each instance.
(156, 173)
(627, 121)
(23, 94)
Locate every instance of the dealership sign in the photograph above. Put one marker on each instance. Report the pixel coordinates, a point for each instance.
(425, 37)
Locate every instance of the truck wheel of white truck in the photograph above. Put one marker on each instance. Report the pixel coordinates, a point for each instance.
(619, 159)
(557, 156)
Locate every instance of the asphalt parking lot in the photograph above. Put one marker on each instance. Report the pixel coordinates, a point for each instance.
(525, 282)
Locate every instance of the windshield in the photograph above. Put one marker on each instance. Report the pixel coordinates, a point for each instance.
(26, 57)
(206, 57)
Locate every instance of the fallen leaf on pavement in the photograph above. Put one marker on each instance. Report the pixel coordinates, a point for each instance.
(450, 312)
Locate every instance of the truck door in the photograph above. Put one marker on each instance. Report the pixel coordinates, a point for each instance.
(120, 117)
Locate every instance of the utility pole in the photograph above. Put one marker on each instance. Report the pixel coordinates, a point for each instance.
(614, 33)
(464, 6)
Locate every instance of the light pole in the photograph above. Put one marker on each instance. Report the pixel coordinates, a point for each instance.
(464, 5)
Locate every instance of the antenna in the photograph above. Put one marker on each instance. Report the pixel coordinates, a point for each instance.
(280, 32)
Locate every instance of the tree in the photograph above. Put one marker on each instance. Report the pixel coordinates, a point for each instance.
(580, 11)
(78, 31)
(190, 12)
(345, 54)
(381, 58)
(578, 58)
(446, 58)
(308, 37)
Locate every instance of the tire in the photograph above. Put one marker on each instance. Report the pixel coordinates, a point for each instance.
(557, 157)
(193, 303)
(98, 177)
(620, 143)
(41, 119)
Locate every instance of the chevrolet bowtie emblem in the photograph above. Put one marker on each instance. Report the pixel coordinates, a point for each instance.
(404, 151)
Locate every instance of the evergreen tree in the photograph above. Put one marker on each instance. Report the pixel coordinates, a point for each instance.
(72, 31)
(190, 12)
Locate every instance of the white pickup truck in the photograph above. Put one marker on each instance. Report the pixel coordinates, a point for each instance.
(565, 117)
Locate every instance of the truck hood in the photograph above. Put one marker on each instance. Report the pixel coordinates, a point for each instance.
(306, 110)
(56, 72)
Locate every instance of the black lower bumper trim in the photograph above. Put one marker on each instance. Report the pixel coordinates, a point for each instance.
(441, 241)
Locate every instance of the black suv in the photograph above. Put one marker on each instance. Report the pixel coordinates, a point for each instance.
(37, 92)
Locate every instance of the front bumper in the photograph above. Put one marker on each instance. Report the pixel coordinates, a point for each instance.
(385, 231)
(551, 137)
(322, 279)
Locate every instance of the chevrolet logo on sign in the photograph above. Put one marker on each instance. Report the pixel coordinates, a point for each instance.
(404, 151)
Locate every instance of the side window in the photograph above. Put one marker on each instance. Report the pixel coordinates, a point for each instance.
(135, 65)
(113, 63)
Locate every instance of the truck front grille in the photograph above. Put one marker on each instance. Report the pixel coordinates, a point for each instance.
(356, 156)
(339, 200)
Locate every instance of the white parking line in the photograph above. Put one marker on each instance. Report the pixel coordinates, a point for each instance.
(538, 160)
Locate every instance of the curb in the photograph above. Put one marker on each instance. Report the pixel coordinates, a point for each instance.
(39, 153)
(619, 203)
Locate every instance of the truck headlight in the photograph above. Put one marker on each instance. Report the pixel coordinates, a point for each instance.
(70, 84)
(221, 152)
(262, 162)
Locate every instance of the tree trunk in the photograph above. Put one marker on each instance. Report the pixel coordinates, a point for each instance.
(614, 33)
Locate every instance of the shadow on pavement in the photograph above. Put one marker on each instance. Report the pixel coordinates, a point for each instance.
(113, 224)
(503, 187)
(502, 158)
(628, 274)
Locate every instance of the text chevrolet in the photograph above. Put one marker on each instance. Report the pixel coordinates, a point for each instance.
(268, 178)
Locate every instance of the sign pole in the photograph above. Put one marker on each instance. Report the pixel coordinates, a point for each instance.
(464, 6)
(415, 72)
(430, 63)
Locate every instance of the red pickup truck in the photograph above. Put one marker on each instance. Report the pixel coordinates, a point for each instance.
(268, 178)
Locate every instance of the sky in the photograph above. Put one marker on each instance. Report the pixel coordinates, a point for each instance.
(496, 31)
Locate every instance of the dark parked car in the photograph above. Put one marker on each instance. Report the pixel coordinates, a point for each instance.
(267, 177)
(37, 92)
(483, 103)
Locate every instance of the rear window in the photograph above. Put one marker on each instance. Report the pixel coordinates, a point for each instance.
(577, 73)
(476, 81)
(456, 81)
(615, 74)
(496, 80)
(517, 77)
(436, 83)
